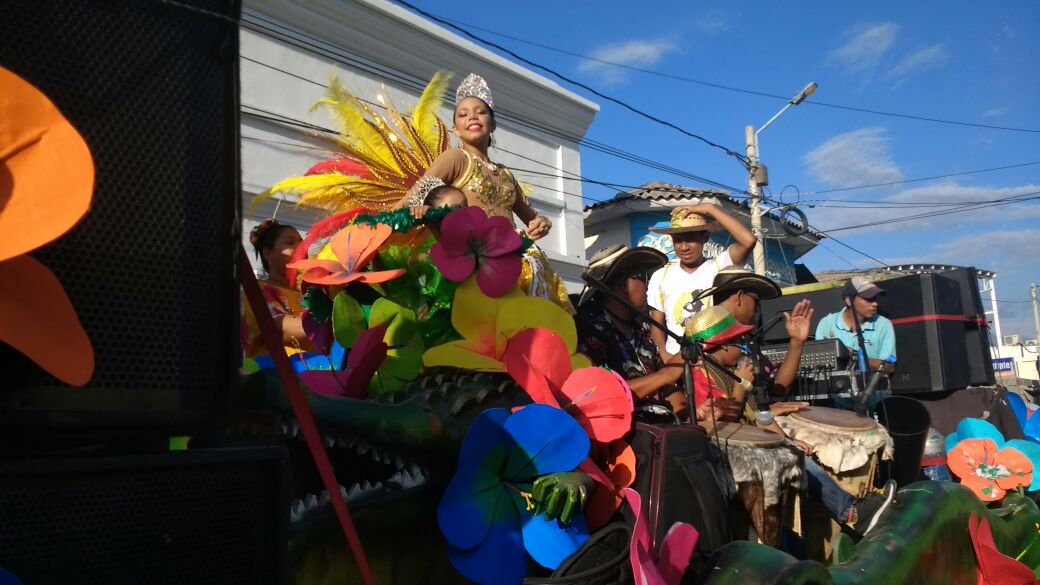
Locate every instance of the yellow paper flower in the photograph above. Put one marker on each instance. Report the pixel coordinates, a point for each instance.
(487, 324)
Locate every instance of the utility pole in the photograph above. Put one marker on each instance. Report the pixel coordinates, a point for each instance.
(759, 253)
(1036, 312)
(757, 177)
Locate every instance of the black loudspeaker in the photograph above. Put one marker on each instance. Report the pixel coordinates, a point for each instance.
(215, 517)
(976, 333)
(932, 353)
(824, 302)
(152, 87)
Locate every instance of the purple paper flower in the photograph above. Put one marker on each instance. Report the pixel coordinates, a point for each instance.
(470, 241)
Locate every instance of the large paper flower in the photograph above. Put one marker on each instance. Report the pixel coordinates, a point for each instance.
(401, 335)
(994, 567)
(46, 184)
(621, 472)
(487, 325)
(601, 402)
(470, 241)
(487, 515)
(988, 465)
(353, 248)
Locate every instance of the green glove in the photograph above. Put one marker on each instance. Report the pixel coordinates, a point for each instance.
(318, 304)
(561, 495)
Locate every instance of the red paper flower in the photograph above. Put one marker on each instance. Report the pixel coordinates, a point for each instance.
(470, 241)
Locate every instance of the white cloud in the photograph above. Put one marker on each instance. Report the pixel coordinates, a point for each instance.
(838, 214)
(994, 112)
(633, 53)
(860, 157)
(713, 22)
(864, 50)
(930, 57)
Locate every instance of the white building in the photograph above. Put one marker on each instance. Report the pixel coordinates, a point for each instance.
(289, 50)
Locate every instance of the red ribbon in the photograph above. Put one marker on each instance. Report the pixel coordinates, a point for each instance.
(980, 321)
(299, 404)
(930, 461)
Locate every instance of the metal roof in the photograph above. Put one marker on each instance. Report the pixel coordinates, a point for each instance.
(896, 271)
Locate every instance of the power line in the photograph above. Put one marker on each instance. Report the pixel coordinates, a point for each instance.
(559, 75)
(730, 87)
(918, 179)
(968, 207)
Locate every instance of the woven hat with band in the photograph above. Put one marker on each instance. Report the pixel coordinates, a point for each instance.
(714, 327)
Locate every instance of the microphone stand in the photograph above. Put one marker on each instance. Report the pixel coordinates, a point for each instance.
(871, 384)
(691, 351)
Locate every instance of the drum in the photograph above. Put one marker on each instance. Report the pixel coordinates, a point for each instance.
(768, 474)
(847, 445)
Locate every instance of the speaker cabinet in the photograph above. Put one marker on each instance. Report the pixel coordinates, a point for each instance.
(153, 89)
(216, 516)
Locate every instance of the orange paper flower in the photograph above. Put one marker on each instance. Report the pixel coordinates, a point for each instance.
(46, 184)
(987, 470)
(353, 248)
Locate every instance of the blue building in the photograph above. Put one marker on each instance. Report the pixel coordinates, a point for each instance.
(627, 217)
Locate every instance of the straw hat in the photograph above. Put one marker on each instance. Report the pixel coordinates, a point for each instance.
(734, 278)
(619, 259)
(691, 222)
(714, 327)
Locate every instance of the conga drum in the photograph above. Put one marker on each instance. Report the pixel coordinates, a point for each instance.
(847, 445)
(768, 474)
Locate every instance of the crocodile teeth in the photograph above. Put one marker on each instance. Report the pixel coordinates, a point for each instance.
(343, 492)
(363, 447)
(296, 509)
(294, 428)
(342, 441)
(324, 499)
(311, 501)
(414, 469)
(397, 478)
(355, 490)
(399, 462)
(376, 454)
(366, 486)
(329, 440)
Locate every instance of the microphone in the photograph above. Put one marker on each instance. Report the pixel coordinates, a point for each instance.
(861, 404)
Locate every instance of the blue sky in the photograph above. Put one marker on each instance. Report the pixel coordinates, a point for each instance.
(965, 61)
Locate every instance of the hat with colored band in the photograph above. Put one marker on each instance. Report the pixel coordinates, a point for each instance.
(714, 327)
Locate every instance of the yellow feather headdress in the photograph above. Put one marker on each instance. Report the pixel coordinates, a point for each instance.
(389, 154)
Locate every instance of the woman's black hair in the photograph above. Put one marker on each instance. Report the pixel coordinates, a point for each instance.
(266, 235)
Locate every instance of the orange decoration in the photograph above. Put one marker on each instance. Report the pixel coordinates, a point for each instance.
(46, 172)
(354, 247)
(621, 469)
(987, 471)
(46, 185)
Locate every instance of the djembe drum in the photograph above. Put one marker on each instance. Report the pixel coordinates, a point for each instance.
(848, 447)
(768, 474)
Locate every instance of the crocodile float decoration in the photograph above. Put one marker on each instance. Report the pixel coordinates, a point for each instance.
(471, 394)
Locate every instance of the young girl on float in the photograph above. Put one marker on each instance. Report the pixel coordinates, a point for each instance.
(489, 185)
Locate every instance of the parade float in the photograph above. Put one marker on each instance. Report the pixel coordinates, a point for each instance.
(471, 443)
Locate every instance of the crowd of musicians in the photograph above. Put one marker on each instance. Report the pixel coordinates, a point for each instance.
(704, 310)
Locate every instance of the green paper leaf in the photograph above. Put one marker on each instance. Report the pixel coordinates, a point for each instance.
(319, 305)
(400, 321)
(348, 319)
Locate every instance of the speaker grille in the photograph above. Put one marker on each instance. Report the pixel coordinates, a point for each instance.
(152, 88)
(178, 518)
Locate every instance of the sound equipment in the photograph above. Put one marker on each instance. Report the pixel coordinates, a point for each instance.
(214, 516)
(818, 355)
(976, 333)
(929, 322)
(152, 87)
(824, 302)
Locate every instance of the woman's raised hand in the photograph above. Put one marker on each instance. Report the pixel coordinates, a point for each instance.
(538, 227)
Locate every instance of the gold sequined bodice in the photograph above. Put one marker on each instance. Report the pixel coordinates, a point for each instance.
(495, 190)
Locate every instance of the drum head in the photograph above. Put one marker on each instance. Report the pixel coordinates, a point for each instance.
(834, 418)
(743, 434)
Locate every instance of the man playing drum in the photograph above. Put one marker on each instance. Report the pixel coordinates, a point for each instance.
(724, 344)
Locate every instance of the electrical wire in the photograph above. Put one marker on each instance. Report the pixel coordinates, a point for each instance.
(743, 160)
(733, 88)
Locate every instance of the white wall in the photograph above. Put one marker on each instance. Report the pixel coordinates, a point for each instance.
(289, 50)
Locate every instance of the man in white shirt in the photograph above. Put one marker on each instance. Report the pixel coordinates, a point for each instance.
(673, 287)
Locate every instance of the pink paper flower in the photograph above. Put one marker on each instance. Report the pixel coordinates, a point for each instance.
(470, 241)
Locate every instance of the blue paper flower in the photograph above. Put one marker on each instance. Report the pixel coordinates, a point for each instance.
(486, 513)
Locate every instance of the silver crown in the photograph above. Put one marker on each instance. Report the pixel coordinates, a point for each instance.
(474, 86)
(422, 189)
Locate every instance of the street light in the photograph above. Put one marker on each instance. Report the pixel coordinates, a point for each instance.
(757, 176)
